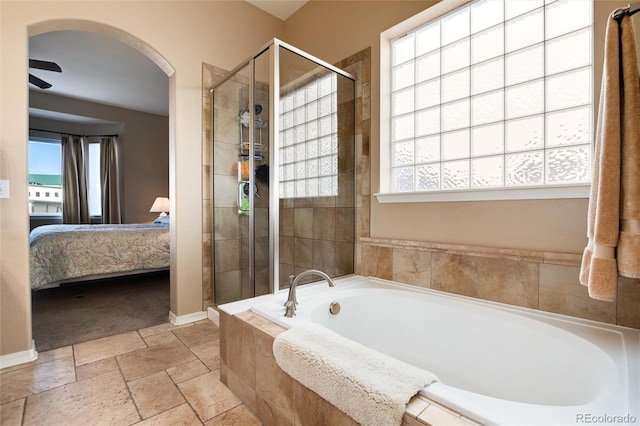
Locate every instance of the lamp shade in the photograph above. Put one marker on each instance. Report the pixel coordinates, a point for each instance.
(160, 205)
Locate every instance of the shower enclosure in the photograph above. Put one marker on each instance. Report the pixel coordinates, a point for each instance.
(283, 176)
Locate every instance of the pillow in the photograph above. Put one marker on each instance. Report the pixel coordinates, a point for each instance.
(162, 219)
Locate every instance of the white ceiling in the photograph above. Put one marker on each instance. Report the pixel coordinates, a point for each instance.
(279, 8)
(101, 69)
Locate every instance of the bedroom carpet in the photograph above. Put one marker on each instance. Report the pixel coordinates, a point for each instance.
(77, 313)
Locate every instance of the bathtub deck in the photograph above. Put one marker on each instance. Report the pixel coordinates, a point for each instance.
(249, 369)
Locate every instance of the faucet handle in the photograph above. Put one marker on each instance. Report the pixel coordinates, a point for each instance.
(292, 292)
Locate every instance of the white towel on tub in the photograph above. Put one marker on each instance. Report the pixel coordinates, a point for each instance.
(371, 387)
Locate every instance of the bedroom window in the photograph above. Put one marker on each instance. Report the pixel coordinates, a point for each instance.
(490, 100)
(45, 177)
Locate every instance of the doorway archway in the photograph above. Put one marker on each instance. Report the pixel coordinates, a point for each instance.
(143, 48)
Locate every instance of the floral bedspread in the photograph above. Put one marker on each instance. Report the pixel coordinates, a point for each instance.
(66, 252)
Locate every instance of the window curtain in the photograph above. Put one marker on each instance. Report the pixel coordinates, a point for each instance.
(109, 181)
(75, 206)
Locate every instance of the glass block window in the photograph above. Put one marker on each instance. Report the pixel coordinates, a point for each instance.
(309, 140)
(495, 94)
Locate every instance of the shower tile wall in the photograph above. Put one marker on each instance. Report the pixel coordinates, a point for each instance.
(359, 65)
(315, 233)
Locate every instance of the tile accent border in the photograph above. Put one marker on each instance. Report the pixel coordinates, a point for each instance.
(547, 281)
(555, 258)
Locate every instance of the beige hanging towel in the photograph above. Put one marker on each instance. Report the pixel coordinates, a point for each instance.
(613, 225)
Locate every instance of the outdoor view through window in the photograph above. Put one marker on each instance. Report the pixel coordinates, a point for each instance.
(45, 178)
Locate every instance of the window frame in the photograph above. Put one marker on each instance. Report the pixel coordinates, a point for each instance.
(385, 195)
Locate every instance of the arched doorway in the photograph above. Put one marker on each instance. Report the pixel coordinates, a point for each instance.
(112, 37)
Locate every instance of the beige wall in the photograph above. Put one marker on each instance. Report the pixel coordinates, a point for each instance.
(179, 35)
(185, 34)
(332, 30)
(143, 148)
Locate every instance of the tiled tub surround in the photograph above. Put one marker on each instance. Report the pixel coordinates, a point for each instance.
(541, 280)
(249, 369)
(498, 364)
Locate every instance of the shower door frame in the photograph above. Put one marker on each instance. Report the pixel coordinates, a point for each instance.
(274, 131)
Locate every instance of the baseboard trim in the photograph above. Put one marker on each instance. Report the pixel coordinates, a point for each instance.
(186, 319)
(17, 358)
(213, 315)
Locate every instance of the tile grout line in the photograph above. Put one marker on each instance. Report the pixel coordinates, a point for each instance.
(178, 387)
(126, 383)
(140, 418)
(24, 411)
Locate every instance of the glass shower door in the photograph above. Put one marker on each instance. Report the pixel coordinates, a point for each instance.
(316, 172)
(241, 183)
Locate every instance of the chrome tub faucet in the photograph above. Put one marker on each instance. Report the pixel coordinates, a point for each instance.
(292, 301)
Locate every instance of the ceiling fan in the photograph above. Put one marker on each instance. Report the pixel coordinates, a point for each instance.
(42, 65)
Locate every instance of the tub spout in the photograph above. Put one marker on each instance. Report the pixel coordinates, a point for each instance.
(292, 301)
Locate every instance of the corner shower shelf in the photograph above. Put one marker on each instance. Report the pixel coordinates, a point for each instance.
(258, 150)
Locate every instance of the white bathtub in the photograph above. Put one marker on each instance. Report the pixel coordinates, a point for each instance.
(497, 364)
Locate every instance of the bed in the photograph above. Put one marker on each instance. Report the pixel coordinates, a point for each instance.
(69, 253)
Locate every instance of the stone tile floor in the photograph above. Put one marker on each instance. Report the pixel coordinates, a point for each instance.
(161, 375)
